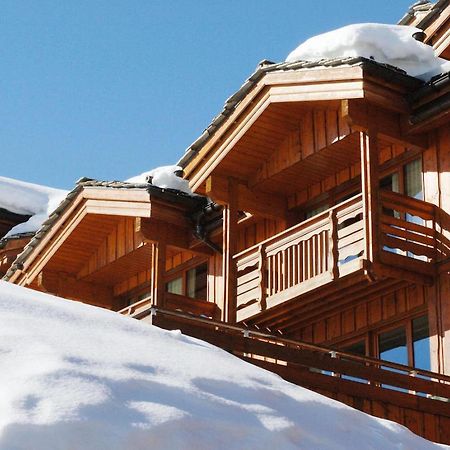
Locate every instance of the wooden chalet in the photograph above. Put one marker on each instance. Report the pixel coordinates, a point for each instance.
(317, 246)
(112, 244)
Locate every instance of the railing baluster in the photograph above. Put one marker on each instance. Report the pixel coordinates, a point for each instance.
(333, 246)
(262, 277)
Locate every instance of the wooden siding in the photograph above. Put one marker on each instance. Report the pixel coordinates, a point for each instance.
(358, 319)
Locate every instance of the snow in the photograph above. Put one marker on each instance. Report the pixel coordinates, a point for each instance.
(164, 177)
(30, 199)
(73, 376)
(389, 44)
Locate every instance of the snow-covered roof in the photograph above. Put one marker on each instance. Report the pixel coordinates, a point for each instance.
(29, 199)
(169, 194)
(390, 49)
(388, 44)
(391, 73)
(73, 376)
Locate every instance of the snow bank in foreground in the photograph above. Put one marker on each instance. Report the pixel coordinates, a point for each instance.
(30, 199)
(390, 44)
(73, 376)
(164, 177)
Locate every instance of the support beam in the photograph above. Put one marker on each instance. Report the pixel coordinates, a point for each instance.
(153, 230)
(158, 271)
(252, 201)
(230, 235)
(370, 192)
(361, 116)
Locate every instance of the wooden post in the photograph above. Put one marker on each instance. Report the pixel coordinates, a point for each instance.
(230, 218)
(370, 194)
(158, 272)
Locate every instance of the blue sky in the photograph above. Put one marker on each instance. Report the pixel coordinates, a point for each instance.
(109, 89)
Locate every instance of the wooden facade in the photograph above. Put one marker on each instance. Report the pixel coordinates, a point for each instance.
(318, 245)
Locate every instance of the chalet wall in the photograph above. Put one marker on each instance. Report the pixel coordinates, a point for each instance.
(436, 162)
(361, 318)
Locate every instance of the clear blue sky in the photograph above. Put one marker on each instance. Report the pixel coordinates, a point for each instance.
(109, 89)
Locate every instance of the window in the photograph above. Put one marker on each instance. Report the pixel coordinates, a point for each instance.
(191, 282)
(413, 179)
(392, 346)
(421, 343)
(357, 348)
(317, 210)
(407, 344)
(196, 279)
(405, 180)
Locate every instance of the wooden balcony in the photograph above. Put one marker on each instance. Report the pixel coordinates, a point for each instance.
(336, 245)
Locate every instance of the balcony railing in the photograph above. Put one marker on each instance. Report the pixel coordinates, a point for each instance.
(301, 258)
(333, 244)
(173, 302)
(412, 233)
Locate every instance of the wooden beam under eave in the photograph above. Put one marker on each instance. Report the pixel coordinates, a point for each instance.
(361, 116)
(153, 230)
(249, 200)
(317, 129)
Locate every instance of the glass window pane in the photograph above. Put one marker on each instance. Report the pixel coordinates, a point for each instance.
(358, 348)
(392, 346)
(413, 179)
(175, 286)
(315, 211)
(421, 343)
(197, 282)
(390, 183)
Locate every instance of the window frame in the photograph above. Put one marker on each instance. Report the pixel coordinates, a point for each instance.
(181, 272)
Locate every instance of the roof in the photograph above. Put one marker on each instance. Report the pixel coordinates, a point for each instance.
(383, 71)
(429, 9)
(167, 194)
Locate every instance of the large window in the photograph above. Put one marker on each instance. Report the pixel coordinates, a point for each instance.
(191, 282)
(405, 180)
(408, 343)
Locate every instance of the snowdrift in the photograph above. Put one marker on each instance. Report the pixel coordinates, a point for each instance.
(73, 376)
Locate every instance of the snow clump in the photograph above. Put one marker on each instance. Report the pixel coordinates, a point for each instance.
(388, 44)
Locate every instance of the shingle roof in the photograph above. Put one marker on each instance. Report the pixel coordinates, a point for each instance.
(385, 71)
(172, 195)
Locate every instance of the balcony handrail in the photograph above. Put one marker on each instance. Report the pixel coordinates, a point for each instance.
(128, 310)
(308, 225)
(248, 332)
(410, 204)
